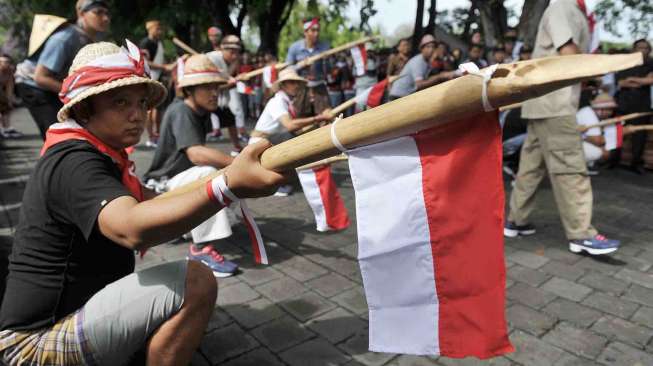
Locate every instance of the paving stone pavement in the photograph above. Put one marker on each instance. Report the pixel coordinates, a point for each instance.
(308, 306)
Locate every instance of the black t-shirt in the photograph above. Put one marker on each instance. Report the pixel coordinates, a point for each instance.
(59, 258)
(635, 99)
(181, 128)
(150, 46)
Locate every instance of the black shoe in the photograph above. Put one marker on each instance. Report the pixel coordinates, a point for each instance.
(512, 230)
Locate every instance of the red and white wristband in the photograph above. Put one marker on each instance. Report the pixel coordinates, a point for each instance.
(219, 192)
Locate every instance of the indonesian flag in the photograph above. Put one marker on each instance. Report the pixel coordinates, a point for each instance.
(430, 213)
(614, 136)
(243, 88)
(269, 75)
(372, 96)
(359, 55)
(323, 197)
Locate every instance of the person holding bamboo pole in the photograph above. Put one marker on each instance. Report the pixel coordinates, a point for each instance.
(279, 120)
(553, 143)
(601, 107)
(313, 97)
(74, 299)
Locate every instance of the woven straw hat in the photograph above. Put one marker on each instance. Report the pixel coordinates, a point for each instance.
(604, 100)
(287, 74)
(230, 42)
(199, 69)
(157, 92)
(427, 39)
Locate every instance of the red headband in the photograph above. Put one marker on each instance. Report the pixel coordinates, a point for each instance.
(310, 23)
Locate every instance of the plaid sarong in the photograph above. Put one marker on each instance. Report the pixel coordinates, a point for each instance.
(62, 344)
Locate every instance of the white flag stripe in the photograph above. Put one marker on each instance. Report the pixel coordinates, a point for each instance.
(403, 264)
(312, 192)
(359, 62)
(611, 138)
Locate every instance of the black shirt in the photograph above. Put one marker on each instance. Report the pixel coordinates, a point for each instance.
(181, 128)
(59, 258)
(635, 99)
(150, 46)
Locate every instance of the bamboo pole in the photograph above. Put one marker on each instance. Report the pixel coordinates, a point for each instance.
(344, 106)
(181, 44)
(511, 106)
(326, 161)
(613, 120)
(309, 60)
(450, 101)
(633, 129)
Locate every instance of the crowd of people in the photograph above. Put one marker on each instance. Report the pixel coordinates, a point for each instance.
(92, 100)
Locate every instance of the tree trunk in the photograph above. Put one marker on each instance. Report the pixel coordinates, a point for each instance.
(494, 21)
(530, 19)
(430, 27)
(222, 19)
(271, 21)
(418, 29)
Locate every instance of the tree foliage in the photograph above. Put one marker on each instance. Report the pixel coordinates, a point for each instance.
(638, 14)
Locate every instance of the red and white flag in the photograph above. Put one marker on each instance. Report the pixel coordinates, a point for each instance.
(372, 96)
(359, 55)
(269, 75)
(323, 197)
(243, 88)
(614, 136)
(430, 211)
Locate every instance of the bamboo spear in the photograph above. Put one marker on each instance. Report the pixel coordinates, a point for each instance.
(344, 106)
(450, 101)
(633, 129)
(181, 44)
(613, 120)
(326, 161)
(309, 60)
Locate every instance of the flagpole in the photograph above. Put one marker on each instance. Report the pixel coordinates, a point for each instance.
(438, 105)
(632, 129)
(613, 120)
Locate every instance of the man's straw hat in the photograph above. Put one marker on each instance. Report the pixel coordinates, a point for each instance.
(427, 39)
(287, 74)
(230, 42)
(44, 25)
(93, 52)
(604, 100)
(199, 69)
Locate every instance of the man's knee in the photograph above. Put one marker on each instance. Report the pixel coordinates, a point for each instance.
(201, 286)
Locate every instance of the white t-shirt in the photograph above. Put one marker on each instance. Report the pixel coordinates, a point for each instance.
(586, 117)
(270, 120)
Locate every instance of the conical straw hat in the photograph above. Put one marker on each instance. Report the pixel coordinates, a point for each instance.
(44, 25)
(199, 69)
(287, 74)
(89, 53)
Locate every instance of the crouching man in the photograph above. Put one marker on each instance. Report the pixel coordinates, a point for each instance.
(183, 157)
(72, 297)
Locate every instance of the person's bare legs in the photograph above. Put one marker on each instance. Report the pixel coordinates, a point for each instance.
(233, 135)
(175, 341)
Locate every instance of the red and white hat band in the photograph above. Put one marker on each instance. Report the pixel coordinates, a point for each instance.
(104, 69)
(310, 23)
(193, 74)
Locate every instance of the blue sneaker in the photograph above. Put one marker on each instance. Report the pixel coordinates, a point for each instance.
(212, 259)
(284, 191)
(597, 245)
(512, 230)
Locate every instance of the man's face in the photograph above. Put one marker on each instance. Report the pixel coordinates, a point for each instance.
(312, 34)
(205, 96)
(214, 39)
(404, 47)
(474, 53)
(97, 19)
(604, 113)
(499, 56)
(118, 115)
(290, 87)
(5, 64)
(230, 55)
(155, 32)
(644, 48)
(428, 50)
(524, 56)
